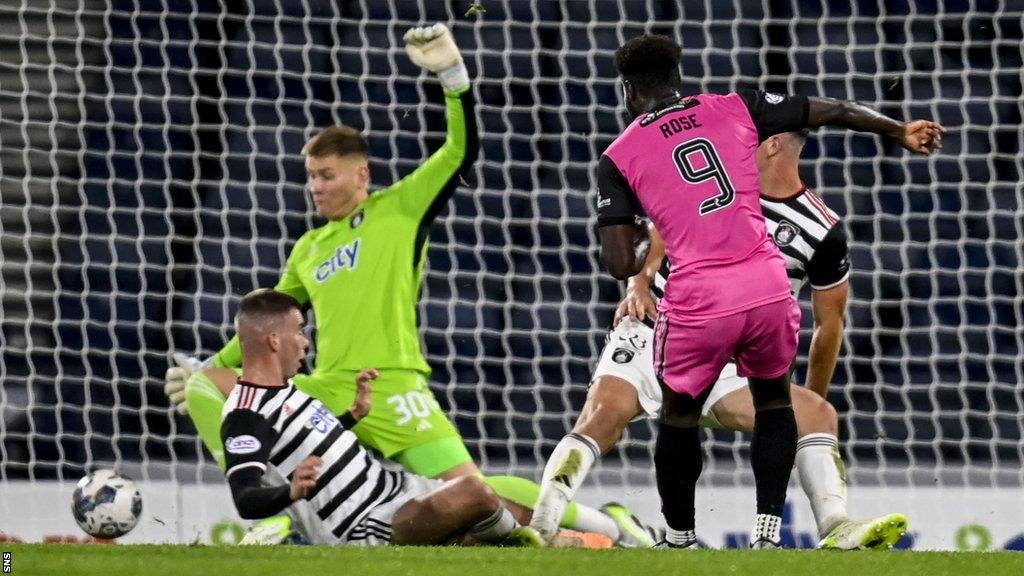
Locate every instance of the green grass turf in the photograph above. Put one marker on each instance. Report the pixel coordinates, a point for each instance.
(115, 560)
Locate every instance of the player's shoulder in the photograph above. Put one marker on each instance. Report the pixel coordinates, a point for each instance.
(817, 206)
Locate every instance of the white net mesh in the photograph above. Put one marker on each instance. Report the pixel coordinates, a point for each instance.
(149, 175)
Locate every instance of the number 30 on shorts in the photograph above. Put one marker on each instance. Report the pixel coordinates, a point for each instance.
(712, 169)
(409, 405)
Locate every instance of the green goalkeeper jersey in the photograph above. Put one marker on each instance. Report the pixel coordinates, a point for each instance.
(362, 274)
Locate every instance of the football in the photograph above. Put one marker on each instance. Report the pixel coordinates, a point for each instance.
(106, 504)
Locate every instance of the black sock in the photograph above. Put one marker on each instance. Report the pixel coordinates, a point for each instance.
(678, 460)
(772, 451)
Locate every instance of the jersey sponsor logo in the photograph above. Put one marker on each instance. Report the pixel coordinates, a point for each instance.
(785, 233)
(244, 444)
(321, 420)
(344, 258)
(773, 98)
(622, 356)
(357, 219)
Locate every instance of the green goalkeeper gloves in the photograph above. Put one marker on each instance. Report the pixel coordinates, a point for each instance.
(433, 48)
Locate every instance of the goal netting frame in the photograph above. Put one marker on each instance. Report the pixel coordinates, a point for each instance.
(150, 176)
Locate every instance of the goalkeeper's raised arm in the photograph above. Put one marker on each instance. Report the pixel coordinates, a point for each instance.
(423, 193)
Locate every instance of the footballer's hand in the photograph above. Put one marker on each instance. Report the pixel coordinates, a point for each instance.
(922, 136)
(433, 48)
(361, 405)
(638, 303)
(304, 477)
(183, 367)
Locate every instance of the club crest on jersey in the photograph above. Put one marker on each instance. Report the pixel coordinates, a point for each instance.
(773, 98)
(344, 258)
(357, 219)
(785, 233)
(322, 420)
(622, 356)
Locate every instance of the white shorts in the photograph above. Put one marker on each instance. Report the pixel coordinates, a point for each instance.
(628, 354)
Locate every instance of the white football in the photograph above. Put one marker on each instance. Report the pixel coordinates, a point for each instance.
(106, 504)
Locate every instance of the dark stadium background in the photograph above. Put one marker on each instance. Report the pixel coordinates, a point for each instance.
(107, 283)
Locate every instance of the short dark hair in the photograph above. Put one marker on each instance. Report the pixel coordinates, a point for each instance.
(649, 62)
(264, 303)
(337, 140)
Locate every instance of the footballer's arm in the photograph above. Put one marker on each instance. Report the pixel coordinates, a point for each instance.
(638, 302)
(828, 272)
(625, 241)
(920, 136)
(775, 113)
(828, 307)
(424, 192)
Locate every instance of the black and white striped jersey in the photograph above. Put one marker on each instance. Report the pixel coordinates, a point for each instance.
(271, 430)
(810, 237)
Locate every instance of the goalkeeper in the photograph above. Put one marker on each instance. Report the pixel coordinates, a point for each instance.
(361, 273)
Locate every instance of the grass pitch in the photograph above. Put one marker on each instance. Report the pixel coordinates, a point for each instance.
(115, 560)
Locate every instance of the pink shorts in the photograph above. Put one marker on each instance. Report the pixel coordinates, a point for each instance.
(689, 356)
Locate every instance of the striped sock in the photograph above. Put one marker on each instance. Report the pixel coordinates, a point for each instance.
(495, 527)
(823, 478)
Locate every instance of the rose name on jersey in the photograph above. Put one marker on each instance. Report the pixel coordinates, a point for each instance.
(344, 258)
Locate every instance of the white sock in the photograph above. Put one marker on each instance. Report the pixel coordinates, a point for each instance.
(592, 520)
(496, 527)
(766, 527)
(565, 470)
(680, 537)
(823, 478)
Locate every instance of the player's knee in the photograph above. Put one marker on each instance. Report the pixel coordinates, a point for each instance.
(822, 418)
(814, 414)
(476, 495)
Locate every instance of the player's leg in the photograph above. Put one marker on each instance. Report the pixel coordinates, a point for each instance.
(818, 463)
(678, 462)
(687, 359)
(459, 506)
(407, 425)
(611, 404)
(519, 490)
(623, 387)
(764, 355)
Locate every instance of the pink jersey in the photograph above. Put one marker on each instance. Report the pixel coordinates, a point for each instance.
(692, 166)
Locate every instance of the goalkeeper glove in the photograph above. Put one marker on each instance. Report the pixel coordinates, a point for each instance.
(177, 376)
(433, 48)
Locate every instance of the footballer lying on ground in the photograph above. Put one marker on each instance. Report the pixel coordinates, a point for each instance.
(283, 446)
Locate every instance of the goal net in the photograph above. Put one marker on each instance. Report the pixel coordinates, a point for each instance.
(150, 176)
